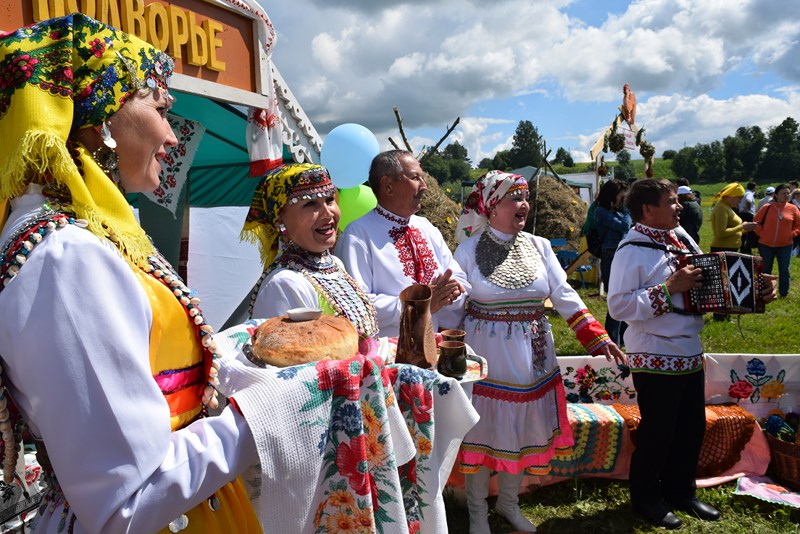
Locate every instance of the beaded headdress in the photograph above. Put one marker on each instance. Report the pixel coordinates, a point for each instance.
(55, 77)
(486, 193)
(287, 184)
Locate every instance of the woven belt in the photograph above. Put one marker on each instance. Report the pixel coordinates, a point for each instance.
(509, 314)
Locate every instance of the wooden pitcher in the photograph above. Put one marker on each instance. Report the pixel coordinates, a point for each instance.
(416, 343)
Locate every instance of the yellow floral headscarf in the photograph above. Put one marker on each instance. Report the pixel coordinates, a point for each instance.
(55, 77)
(288, 183)
(733, 189)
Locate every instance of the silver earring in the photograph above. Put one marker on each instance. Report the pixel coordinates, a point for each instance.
(106, 156)
(282, 228)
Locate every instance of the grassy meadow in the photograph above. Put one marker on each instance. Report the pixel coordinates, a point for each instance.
(601, 506)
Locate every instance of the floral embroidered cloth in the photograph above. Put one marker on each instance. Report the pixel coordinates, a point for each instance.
(177, 162)
(754, 380)
(348, 446)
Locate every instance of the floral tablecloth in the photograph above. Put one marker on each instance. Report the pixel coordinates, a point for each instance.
(758, 382)
(355, 446)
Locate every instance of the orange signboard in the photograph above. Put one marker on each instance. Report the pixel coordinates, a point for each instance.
(206, 41)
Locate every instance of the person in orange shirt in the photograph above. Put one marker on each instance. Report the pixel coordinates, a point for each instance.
(778, 225)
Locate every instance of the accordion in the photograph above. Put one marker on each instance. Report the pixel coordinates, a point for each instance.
(732, 283)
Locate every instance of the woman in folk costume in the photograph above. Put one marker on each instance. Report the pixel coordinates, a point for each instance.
(521, 402)
(107, 359)
(293, 218)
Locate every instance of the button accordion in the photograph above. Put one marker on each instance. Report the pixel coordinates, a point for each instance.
(732, 283)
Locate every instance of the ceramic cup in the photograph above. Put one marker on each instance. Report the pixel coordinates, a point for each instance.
(453, 335)
(452, 359)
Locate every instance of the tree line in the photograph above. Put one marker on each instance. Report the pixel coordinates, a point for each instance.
(748, 155)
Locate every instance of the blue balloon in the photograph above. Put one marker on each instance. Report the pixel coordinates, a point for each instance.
(347, 153)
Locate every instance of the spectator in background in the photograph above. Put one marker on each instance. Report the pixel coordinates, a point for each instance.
(697, 195)
(767, 198)
(747, 210)
(778, 223)
(691, 214)
(796, 201)
(612, 221)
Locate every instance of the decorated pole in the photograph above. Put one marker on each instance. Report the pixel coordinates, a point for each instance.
(623, 134)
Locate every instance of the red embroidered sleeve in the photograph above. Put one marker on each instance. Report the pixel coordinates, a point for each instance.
(659, 299)
(589, 331)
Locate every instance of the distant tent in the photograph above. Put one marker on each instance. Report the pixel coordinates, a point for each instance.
(530, 172)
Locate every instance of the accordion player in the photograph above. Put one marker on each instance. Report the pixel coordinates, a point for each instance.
(732, 283)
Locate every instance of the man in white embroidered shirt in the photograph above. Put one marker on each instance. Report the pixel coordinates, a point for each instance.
(646, 290)
(391, 248)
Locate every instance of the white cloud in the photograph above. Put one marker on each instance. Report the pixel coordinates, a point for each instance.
(437, 60)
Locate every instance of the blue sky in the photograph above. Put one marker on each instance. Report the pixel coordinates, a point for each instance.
(699, 68)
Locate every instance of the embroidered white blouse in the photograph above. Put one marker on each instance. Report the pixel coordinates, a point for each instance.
(386, 253)
(637, 295)
(74, 338)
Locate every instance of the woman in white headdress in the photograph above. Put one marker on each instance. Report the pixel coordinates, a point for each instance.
(521, 402)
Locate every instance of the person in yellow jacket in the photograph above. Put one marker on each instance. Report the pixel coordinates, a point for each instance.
(106, 355)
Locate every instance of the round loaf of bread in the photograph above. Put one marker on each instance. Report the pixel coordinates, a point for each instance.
(282, 342)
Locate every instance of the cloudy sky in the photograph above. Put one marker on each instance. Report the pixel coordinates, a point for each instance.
(699, 68)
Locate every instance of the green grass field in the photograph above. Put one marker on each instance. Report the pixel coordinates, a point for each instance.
(601, 506)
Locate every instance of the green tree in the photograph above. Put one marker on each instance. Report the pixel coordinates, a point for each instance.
(782, 158)
(684, 165)
(564, 158)
(486, 163)
(742, 152)
(526, 148)
(501, 161)
(711, 159)
(437, 167)
(668, 154)
(456, 151)
(459, 170)
(624, 169)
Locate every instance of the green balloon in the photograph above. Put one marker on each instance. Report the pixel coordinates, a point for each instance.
(355, 202)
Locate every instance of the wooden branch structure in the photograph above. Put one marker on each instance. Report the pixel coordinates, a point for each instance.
(445, 136)
(402, 130)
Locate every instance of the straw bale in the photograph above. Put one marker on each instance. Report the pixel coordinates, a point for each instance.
(559, 212)
(441, 211)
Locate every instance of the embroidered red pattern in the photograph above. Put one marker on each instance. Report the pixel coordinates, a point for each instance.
(489, 390)
(660, 363)
(413, 251)
(665, 237)
(658, 299)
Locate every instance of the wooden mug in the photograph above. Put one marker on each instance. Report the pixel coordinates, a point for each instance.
(453, 335)
(452, 359)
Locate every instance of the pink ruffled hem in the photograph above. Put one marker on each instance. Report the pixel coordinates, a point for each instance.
(532, 463)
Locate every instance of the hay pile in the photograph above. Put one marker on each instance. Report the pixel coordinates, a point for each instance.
(441, 211)
(559, 212)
